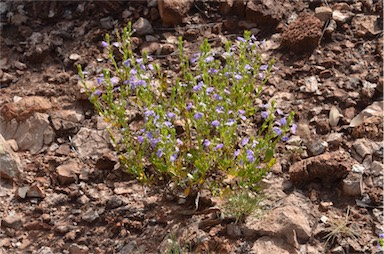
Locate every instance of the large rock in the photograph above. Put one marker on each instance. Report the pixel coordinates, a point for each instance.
(10, 165)
(24, 108)
(89, 142)
(268, 244)
(173, 11)
(265, 12)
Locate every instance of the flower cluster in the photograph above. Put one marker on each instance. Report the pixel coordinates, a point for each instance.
(191, 124)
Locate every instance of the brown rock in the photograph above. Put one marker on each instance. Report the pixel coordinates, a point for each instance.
(35, 192)
(66, 173)
(328, 167)
(25, 107)
(173, 11)
(303, 34)
(12, 221)
(264, 12)
(323, 13)
(366, 25)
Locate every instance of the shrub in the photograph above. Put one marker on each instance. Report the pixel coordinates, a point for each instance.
(198, 127)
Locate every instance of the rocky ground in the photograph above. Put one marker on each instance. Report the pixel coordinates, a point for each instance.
(61, 188)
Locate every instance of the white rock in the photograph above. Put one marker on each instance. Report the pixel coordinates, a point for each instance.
(341, 17)
(74, 57)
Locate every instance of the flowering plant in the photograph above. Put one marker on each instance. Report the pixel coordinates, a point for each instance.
(202, 126)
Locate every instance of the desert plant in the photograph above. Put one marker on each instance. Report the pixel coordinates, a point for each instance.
(192, 122)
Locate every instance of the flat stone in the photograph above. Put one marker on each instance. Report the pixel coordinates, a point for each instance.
(362, 147)
(267, 244)
(342, 16)
(323, 13)
(90, 215)
(353, 185)
(90, 142)
(12, 221)
(66, 119)
(265, 12)
(25, 108)
(10, 164)
(143, 26)
(172, 12)
(366, 25)
(67, 173)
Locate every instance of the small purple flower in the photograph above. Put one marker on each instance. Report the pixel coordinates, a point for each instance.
(283, 121)
(241, 39)
(148, 113)
(209, 90)
(159, 153)
(279, 112)
(150, 67)
(277, 130)
(127, 63)
(227, 74)
(141, 82)
(241, 112)
(198, 116)
(250, 156)
(293, 128)
(189, 106)
(217, 97)
(168, 123)
(254, 143)
(236, 153)
(215, 123)
(264, 114)
(139, 60)
(261, 75)
(209, 59)
(242, 117)
(247, 67)
(212, 71)
(140, 139)
(198, 87)
(219, 146)
(154, 142)
(264, 67)
(149, 135)
(194, 58)
(97, 93)
(133, 71)
(244, 141)
(173, 157)
(115, 80)
(171, 115)
(99, 80)
(220, 109)
(230, 122)
(104, 44)
(285, 138)
(206, 143)
(179, 142)
(238, 76)
(116, 44)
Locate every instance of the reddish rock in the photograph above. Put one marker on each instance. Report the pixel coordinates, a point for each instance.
(265, 12)
(25, 107)
(173, 11)
(303, 34)
(66, 173)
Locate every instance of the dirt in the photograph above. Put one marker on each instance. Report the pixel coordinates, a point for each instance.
(92, 206)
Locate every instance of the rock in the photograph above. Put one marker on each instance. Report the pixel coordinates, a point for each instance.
(303, 34)
(66, 120)
(90, 215)
(173, 11)
(24, 108)
(35, 192)
(12, 221)
(89, 142)
(266, 244)
(265, 12)
(10, 164)
(152, 48)
(143, 27)
(353, 184)
(225, 6)
(67, 173)
(19, 65)
(107, 23)
(328, 167)
(310, 85)
(78, 249)
(55, 199)
(126, 14)
(44, 250)
(366, 25)
(341, 17)
(115, 202)
(233, 230)
(361, 148)
(74, 57)
(377, 168)
(13, 144)
(323, 13)
(317, 147)
(334, 140)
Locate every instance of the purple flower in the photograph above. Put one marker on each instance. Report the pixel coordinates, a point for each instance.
(279, 112)
(243, 117)
(238, 76)
(171, 115)
(159, 153)
(215, 123)
(173, 157)
(96, 93)
(198, 116)
(293, 128)
(139, 60)
(285, 138)
(127, 62)
(219, 146)
(241, 39)
(179, 142)
(149, 135)
(206, 143)
(244, 141)
(277, 130)
(264, 67)
(140, 82)
(150, 67)
(209, 90)
(261, 75)
(220, 109)
(133, 71)
(116, 44)
(264, 114)
(227, 74)
(198, 87)
(168, 123)
(250, 156)
(189, 106)
(212, 71)
(283, 121)
(236, 153)
(247, 67)
(99, 80)
(254, 143)
(114, 80)
(209, 59)
(230, 122)
(154, 142)
(195, 58)
(241, 112)
(140, 139)
(149, 113)
(217, 97)
(104, 44)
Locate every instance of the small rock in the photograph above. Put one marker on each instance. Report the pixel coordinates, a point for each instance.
(358, 168)
(173, 11)
(83, 200)
(66, 120)
(266, 244)
(78, 249)
(90, 142)
(323, 13)
(324, 206)
(151, 38)
(114, 202)
(107, 23)
(11, 166)
(90, 215)
(66, 173)
(19, 65)
(74, 57)
(44, 250)
(55, 199)
(331, 27)
(361, 148)
(341, 17)
(126, 14)
(324, 219)
(352, 185)
(12, 221)
(35, 192)
(233, 230)
(13, 144)
(366, 25)
(265, 12)
(377, 168)
(317, 147)
(143, 26)
(310, 85)
(225, 6)
(22, 192)
(334, 140)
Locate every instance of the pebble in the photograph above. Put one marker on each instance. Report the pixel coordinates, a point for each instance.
(352, 185)
(90, 215)
(107, 22)
(341, 17)
(323, 13)
(143, 26)
(12, 221)
(126, 14)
